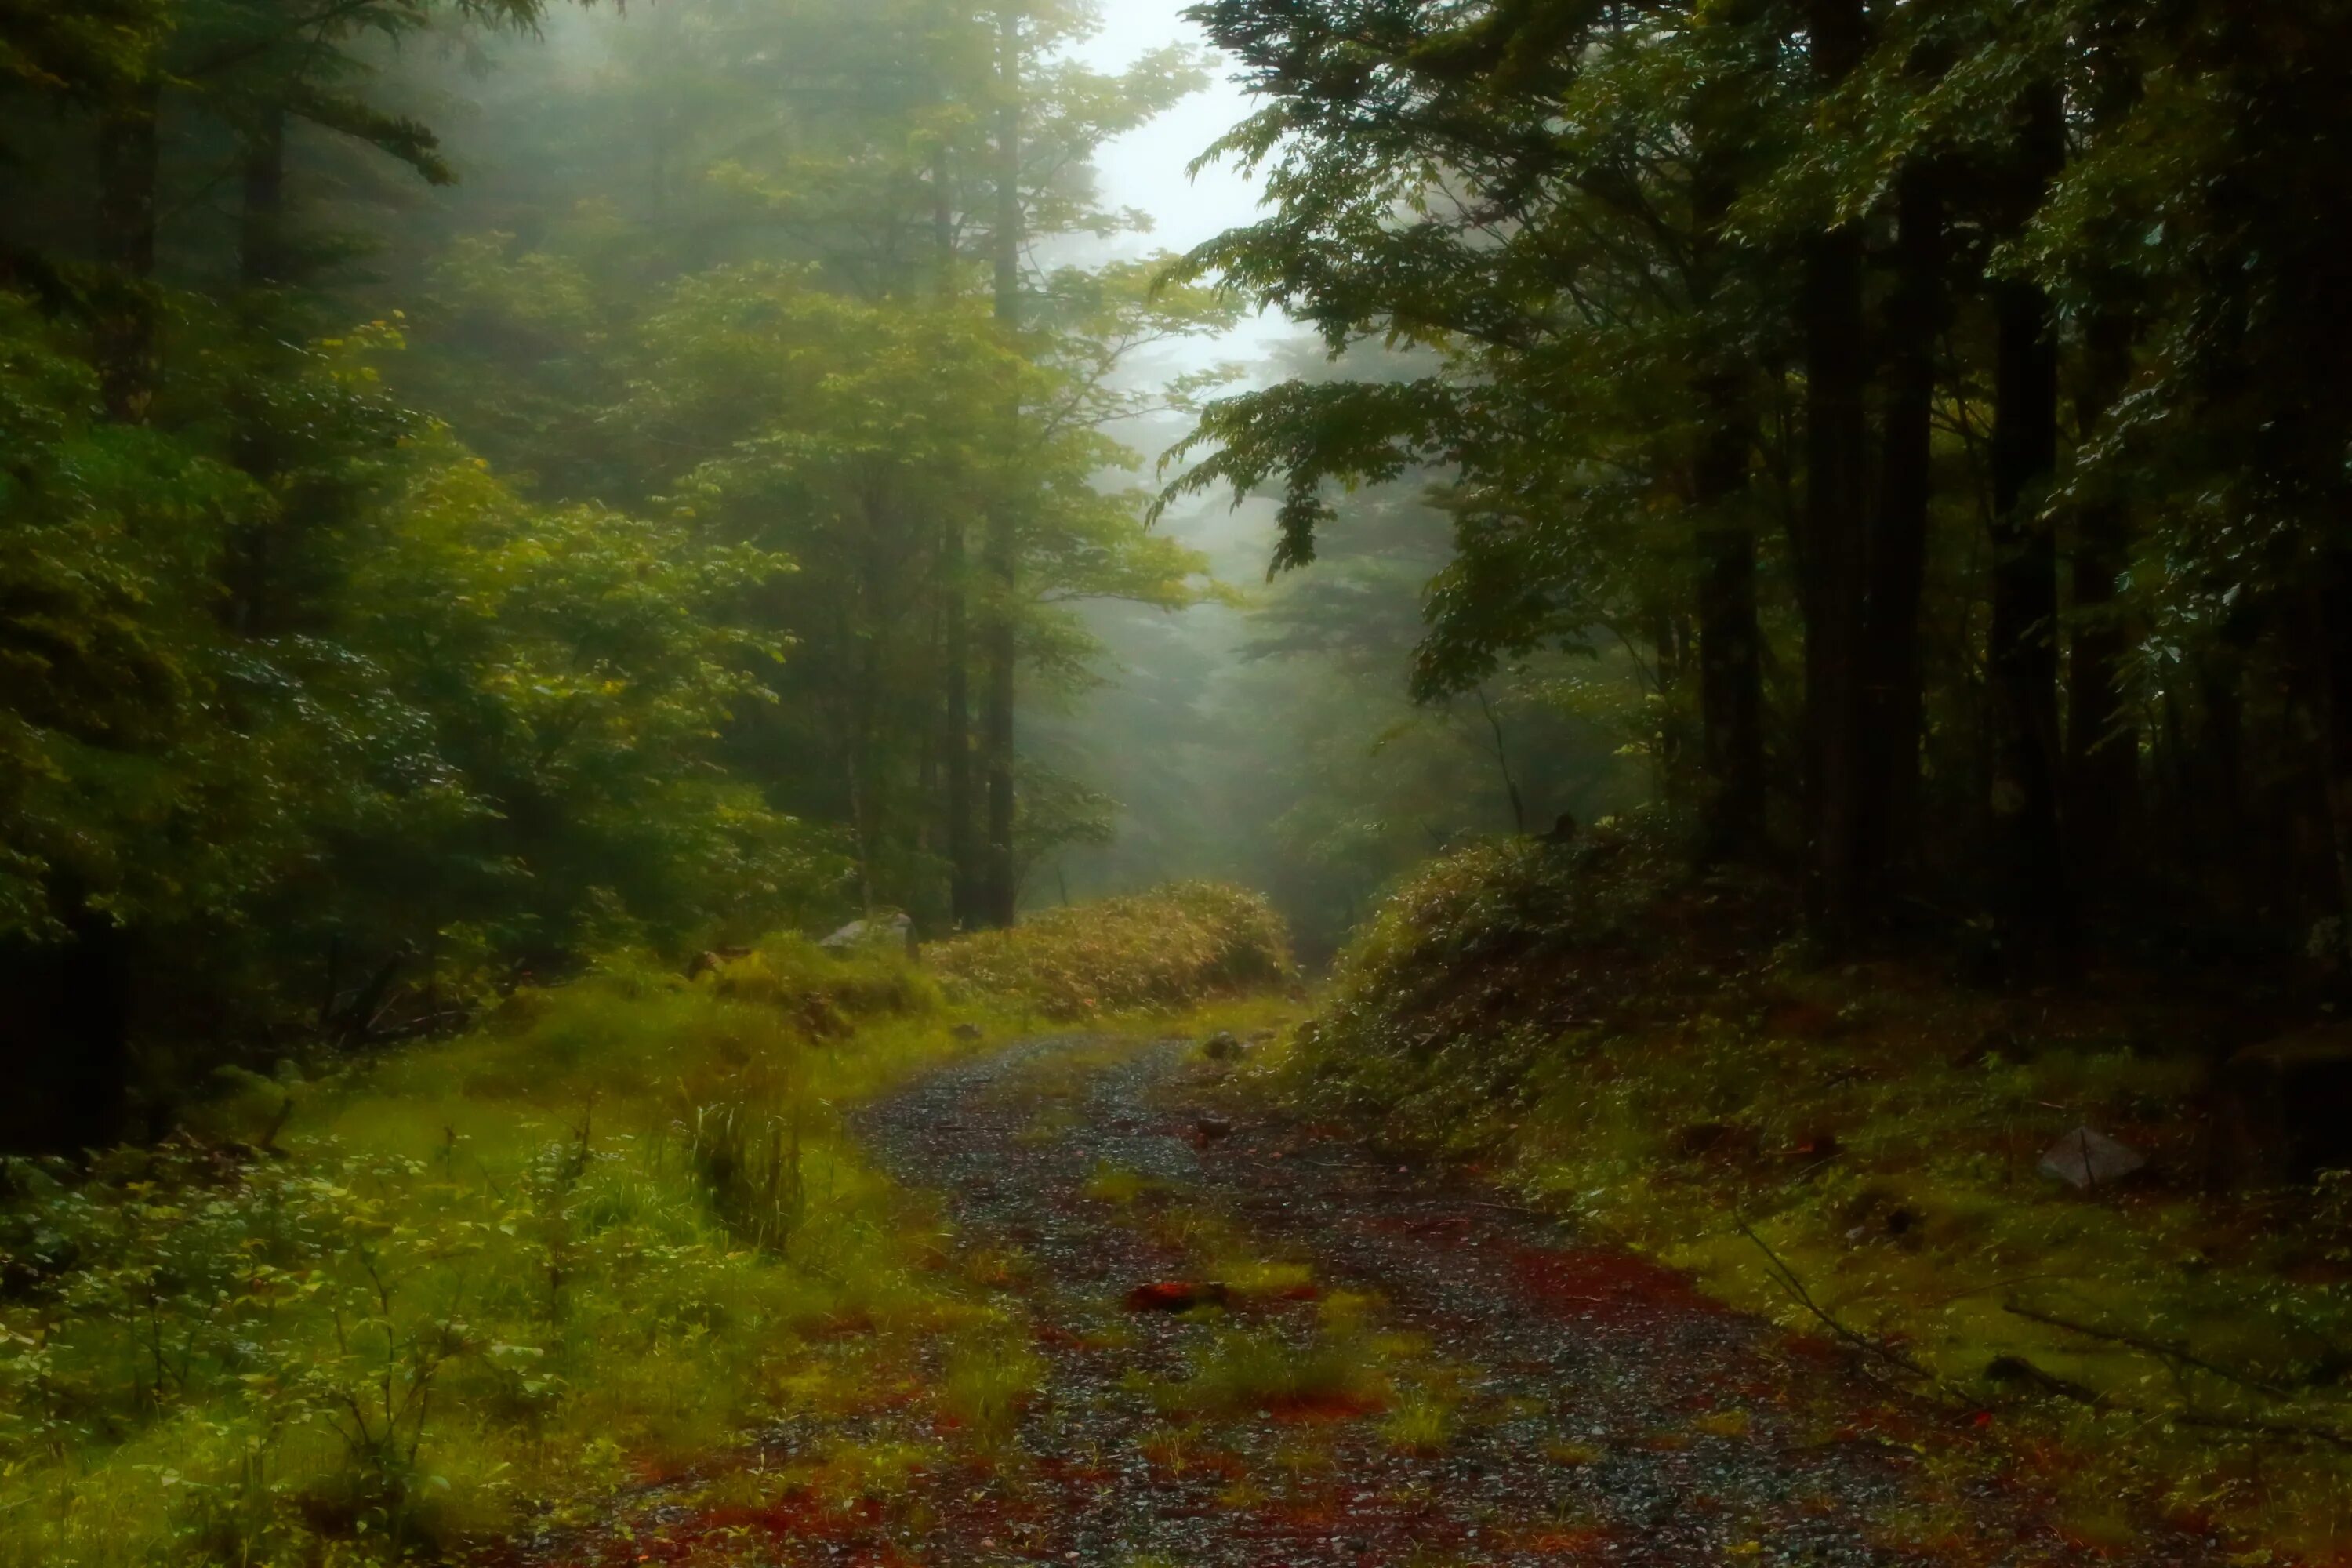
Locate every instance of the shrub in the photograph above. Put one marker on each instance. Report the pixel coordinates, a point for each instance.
(1480, 964)
(371, 1315)
(1171, 949)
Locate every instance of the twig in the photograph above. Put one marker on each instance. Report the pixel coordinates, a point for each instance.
(2292, 1431)
(2158, 1348)
(1788, 1280)
(2021, 1370)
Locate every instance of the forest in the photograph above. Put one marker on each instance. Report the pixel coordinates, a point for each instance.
(722, 800)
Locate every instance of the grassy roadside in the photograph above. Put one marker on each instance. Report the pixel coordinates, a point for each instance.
(1618, 1042)
(1186, 945)
(386, 1311)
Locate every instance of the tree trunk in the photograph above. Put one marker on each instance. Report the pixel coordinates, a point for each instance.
(2332, 607)
(64, 1034)
(2104, 794)
(2220, 803)
(261, 266)
(1731, 664)
(1730, 638)
(2031, 893)
(262, 261)
(1832, 551)
(963, 859)
(1892, 706)
(965, 870)
(1001, 890)
(2102, 742)
(127, 171)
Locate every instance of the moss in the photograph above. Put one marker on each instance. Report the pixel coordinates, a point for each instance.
(1647, 1050)
(507, 1275)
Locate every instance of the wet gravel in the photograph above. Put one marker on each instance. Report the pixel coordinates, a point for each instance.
(1599, 1411)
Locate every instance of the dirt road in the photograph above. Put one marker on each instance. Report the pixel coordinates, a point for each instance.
(1251, 1344)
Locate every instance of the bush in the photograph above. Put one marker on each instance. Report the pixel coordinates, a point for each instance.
(1478, 965)
(1172, 948)
(372, 1315)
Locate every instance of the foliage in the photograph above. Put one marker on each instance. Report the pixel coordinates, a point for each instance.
(393, 1309)
(1638, 253)
(1173, 949)
(1274, 743)
(485, 734)
(106, 537)
(405, 591)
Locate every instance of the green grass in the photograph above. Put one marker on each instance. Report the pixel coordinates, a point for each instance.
(497, 1277)
(373, 1312)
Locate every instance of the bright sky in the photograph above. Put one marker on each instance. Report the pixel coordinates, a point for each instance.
(1146, 168)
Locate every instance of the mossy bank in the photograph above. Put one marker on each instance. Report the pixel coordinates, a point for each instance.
(1855, 1152)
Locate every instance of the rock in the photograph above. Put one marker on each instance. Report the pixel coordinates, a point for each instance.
(1223, 1046)
(897, 929)
(1212, 1128)
(2086, 1160)
(715, 959)
(969, 1033)
(2285, 1110)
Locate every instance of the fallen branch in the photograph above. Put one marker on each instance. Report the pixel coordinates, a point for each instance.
(2179, 1354)
(1787, 1279)
(2017, 1369)
(2290, 1431)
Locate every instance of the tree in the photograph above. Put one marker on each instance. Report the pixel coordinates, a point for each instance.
(1882, 243)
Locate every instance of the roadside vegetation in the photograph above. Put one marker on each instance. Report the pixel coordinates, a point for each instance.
(359, 1310)
(1181, 947)
(1854, 1150)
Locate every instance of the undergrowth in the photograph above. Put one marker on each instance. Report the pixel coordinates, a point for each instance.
(384, 1310)
(368, 1314)
(1187, 945)
(1854, 1151)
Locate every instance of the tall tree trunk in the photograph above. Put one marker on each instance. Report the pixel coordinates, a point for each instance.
(64, 1034)
(1892, 704)
(1731, 647)
(1001, 890)
(2032, 890)
(2103, 795)
(2218, 808)
(262, 261)
(1832, 551)
(261, 266)
(128, 155)
(965, 870)
(1730, 637)
(2332, 617)
(2103, 786)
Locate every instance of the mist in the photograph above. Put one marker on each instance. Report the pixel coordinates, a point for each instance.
(776, 791)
